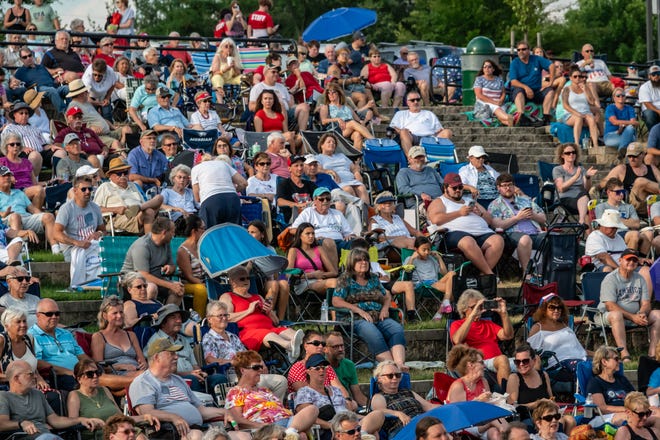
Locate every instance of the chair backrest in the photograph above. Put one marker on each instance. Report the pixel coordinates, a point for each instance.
(441, 383)
(545, 170)
(202, 60)
(654, 271)
(528, 184)
(584, 373)
(591, 286)
(215, 288)
(647, 365)
(252, 57)
(404, 384)
(650, 200)
(200, 139)
(450, 167)
(379, 153)
(255, 137)
(591, 208)
(112, 254)
(311, 141)
(439, 149)
(503, 162)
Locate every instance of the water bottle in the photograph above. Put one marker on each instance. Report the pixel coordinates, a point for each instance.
(254, 150)
(324, 310)
(588, 407)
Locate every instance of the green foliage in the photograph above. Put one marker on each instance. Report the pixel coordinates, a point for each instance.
(528, 13)
(160, 17)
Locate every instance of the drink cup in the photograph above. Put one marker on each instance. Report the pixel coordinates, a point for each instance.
(230, 61)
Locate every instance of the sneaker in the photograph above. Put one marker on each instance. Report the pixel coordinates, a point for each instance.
(296, 342)
(516, 117)
(56, 249)
(438, 316)
(446, 309)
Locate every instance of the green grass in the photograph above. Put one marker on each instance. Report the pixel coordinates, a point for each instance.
(56, 292)
(46, 256)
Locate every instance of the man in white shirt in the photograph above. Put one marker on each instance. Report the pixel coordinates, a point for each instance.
(598, 75)
(299, 112)
(413, 124)
(649, 97)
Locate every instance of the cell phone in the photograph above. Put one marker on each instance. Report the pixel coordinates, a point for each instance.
(491, 304)
(472, 204)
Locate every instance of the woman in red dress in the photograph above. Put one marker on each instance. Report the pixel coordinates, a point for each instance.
(257, 322)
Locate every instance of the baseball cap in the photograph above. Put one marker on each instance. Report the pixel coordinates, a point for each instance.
(163, 91)
(310, 158)
(295, 159)
(453, 180)
(200, 96)
(291, 60)
(86, 170)
(315, 360)
(417, 151)
(273, 66)
(629, 254)
(654, 69)
(5, 170)
(320, 191)
(162, 344)
(70, 138)
(358, 35)
(148, 133)
(477, 151)
(636, 148)
(74, 111)
(385, 197)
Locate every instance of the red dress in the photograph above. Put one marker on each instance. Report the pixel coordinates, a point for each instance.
(253, 328)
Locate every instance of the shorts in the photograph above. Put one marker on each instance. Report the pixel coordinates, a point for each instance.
(33, 222)
(571, 203)
(303, 285)
(539, 95)
(511, 239)
(284, 423)
(452, 238)
(604, 88)
(484, 110)
(639, 202)
(124, 223)
(488, 363)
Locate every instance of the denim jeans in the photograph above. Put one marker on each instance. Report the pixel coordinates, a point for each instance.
(621, 141)
(650, 118)
(380, 336)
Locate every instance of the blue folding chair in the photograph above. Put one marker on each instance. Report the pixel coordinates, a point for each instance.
(382, 158)
(448, 167)
(439, 149)
(200, 139)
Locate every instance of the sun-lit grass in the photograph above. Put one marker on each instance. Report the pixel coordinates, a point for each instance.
(41, 255)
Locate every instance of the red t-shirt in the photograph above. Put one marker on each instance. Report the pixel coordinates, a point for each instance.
(179, 54)
(274, 124)
(260, 20)
(482, 336)
(310, 82)
(220, 29)
(297, 373)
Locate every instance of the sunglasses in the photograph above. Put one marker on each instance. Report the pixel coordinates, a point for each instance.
(108, 44)
(264, 164)
(318, 367)
(620, 192)
(551, 417)
(554, 307)
(85, 189)
(121, 173)
(221, 315)
(97, 75)
(353, 431)
(25, 57)
(323, 199)
(522, 49)
(242, 279)
(414, 99)
(619, 95)
(616, 358)
(642, 414)
(93, 373)
(569, 153)
(589, 51)
(392, 375)
(173, 144)
(630, 156)
(654, 73)
(51, 314)
(519, 362)
(15, 144)
(255, 367)
(20, 279)
(457, 188)
(316, 343)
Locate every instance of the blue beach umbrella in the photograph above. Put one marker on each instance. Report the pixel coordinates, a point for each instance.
(339, 23)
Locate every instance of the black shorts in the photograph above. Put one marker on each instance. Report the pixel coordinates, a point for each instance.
(452, 238)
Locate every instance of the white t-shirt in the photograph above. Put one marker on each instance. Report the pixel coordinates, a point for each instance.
(213, 177)
(98, 90)
(279, 89)
(332, 225)
(649, 93)
(423, 123)
(257, 186)
(598, 73)
(207, 123)
(597, 243)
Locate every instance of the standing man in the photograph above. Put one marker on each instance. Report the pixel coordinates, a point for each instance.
(526, 81)
(649, 97)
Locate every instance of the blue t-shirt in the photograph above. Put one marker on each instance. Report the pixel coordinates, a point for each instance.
(625, 114)
(654, 137)
(530, 73)
(654, 380)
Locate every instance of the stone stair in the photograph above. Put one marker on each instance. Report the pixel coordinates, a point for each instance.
(529, 144)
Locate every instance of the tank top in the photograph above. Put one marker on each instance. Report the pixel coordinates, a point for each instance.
(195, 264)
(395, 228)
(17, 26)
(404, 401)
(478, 390)
(629, 178)
(340, 111)
(472, 223)
(99, 406)
(579, 102)
(527, 394)
(635, 436)
(146, 308)
(379, 74)
(7, 355)
(114, 353)
(303, 262)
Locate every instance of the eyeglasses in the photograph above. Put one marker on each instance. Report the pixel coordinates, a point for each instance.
(554, 307)
(20, 279)
(121, 173)
(264, 164)
(25, 57)
(242, 279)
(51, 314)
(551, 417)
(323, 199)
(506, 185)
(353, 431)
(522, 49)
(520, 362)
(414, 99)
(318, 367)
(316, 343)
(15, 144)
(150, 89)
(255, 367)
(619, 95)
(92, 373)
(569, 153)
(642, 414)
(589, 50)
(172, 144)
(221, 315)
(140, 286)
(391, 376)
(85, 189)
(619, 192)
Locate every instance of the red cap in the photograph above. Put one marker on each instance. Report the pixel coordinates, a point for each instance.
(452, 180)
(74, 111)
(200, 96)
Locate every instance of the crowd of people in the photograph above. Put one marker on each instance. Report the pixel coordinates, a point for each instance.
(119, 162)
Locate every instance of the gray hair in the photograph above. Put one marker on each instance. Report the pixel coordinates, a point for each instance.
(215, 305)
(151, 80)
(181, 168)
(147, 51)
(6, 137)
(466, 296)
(274, 135)
(60, 33)
(15, 368)
(10, 315)
(506, 435)
(76, 23)
(214, 432)
(130, 277)
(344, 416)
(267, 432)
(381, 366)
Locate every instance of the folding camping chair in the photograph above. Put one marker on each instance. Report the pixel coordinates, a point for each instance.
(439, 150)
(112, 255)
(311, 142)
(202, 140)
(382, 159)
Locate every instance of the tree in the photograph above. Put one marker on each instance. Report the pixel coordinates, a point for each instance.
(528, 13)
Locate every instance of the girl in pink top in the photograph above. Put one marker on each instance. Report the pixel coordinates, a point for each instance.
(305, 254)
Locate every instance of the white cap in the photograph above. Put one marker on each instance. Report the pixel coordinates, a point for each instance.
(86, 170)
(477, 151)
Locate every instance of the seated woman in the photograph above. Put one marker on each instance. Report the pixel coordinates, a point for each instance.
(187, 258)
(178, 80)
(490, 94)
(579, 103)
(360, 291)
(277, 290)
(472, 385)
(17, 298)
(353, 85)
(329, 399)
(546, 417)
(395, 231)
(551, 333)
(223, 146)
(306, 254)
(640, 421)
(573, 181)
(269, 116)
(226, 68)
(559, 81)
(620, 122)
(92, 400)
(607, 387)
(255, 407)
(404, 404)
(179, 198)
(382, 78)
(139, 305)
(220, 346)
(24, 176)
(345, 172)
(264, 183)
(335, 113)
(205, 118)
(114, 344)
(255, 317)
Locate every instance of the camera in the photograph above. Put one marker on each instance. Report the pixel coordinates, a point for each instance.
(491, 304)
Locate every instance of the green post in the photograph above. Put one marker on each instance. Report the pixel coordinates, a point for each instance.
(477, 51)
